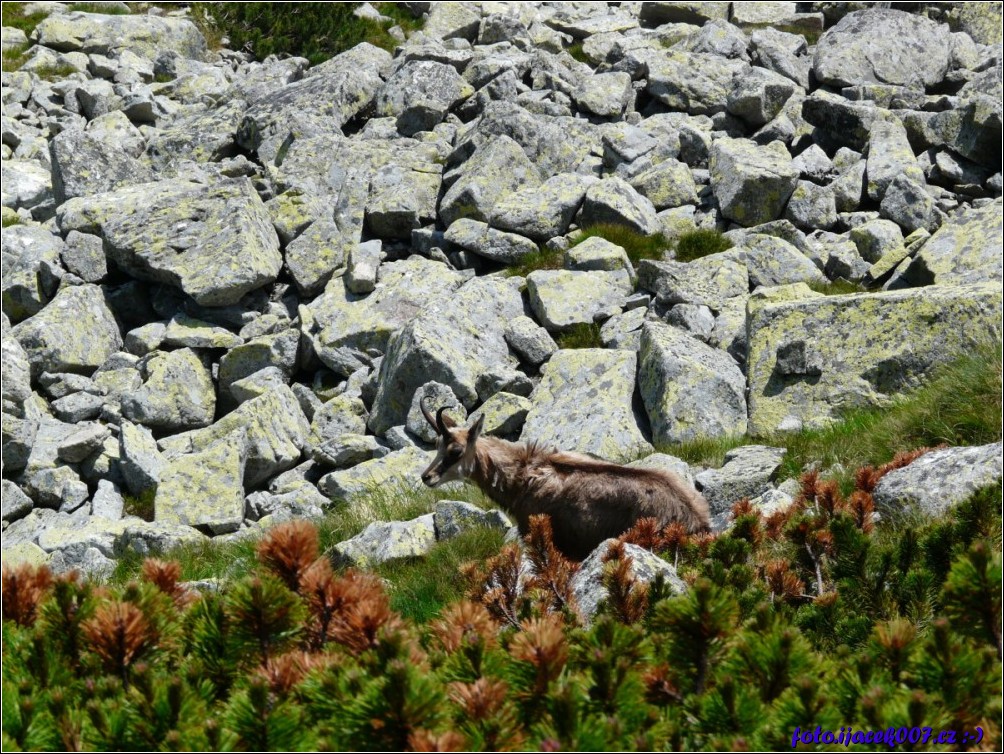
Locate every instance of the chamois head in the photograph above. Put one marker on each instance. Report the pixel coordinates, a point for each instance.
(455, 448)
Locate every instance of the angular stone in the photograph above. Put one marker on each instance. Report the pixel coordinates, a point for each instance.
(759, 95)
(98, 33)
(16, 504)
(908, 204)
(387, 540)
(277, 350)
(107, 501)
(531, 342)
(343, 414)
(694, 319)
(747, 473)
(542, 212)
(646, 566)
(597, 253)
(614, 201)
(845, 262)
(884, 46)
(505, 414)
(752, 183)
(690, 389)
(78, 407)
(605, 94)
(812, 206)
(889, 155)
(214, 242)
(420, 94)
(76, 332)
(497, 168)
(868, 348)
(402, 199)
(667, 184)
(584, 403)
(773, 261)
(402, 469)
(177, 393)
(966, 249)
(938, 480)
(437, 396)
(496, 245)
(876, 238)
(81, 443)
(709, 281)
(345, 451)
(340, 319)
(695, 83)
(84, 256)
(696, 13)
(27, 184)
(277, 433)
(139, 459)
(205, 488)
(454, 517)
(83, 165)
(31, 269)
(564, 298)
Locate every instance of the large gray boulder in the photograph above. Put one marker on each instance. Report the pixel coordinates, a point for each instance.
(402, 199)
(177, 393)
(110, 35)
(584, 403)
(83, 165)
(587, 583)
(76, 332)
(562, 299)
(748, 472)
(453, 340)
(772, 261)
(277, 433)
(496, 245)
(938, 480)
(966, 249)
(542, 212)
(31, 269)
(883, 46)
(759, 95)
(709, 281)
(689, 388)
(386, 540)
(694, 83)
(864, 349)
(205, 488)
(497, 168)
(329, 96)
(420, 94)
(27, 184)
(613, 201)
(215, 242)
(889, 155)
(341, 323)
(751, 182)
(400, 470)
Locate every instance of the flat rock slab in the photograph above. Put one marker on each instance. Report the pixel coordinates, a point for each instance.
(584, 403)
(938, 480)
(587, 584)
(864, 348)
(883, 46)
(562, 299)
(214, 242)
(102, 34)
(710, 281)
(401, 469)
(689, 388)
(205, 488)
(388, 540)
(966, 249)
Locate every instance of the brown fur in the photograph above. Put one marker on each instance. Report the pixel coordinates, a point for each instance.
(588, 500)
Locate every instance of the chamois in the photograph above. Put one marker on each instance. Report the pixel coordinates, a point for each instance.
(588, 500)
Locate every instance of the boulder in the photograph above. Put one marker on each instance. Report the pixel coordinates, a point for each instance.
(690, 389)
(584, 403)
(605, 94)
(177, 393)
(864, 349)
(401, 469)
(758, 96)
(496, 245)
(32, 269)
(695, 83)
(205, 488)
(966, 249)
(748, 472)
(387, 540)
(215, 242)
(76, 332)
(772, 261)
(531, 342)
(505, 414)
(452, 340)
(883, 46)
(453, 517)
(562, 299)
(709, 281)
(438, 396)
(938, 480)
(102, 34)
(140, 461)
(27, 184)
(401, 199)
(646, 566)
(541, 212)
(667, 184)
(420, 94)
(752, 183)
(613, 201)
(83, 165)
(889, 155)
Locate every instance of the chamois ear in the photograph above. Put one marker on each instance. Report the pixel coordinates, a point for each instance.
(475, 431)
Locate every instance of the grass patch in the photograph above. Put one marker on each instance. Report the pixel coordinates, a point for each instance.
(582, 335)
(637, 245)
(54, 71)
(961, 405)
(14, 58)
(227, 560)
(107, 10)
(577, 53)
(699, 243)
(837, 287)
(544, 259)
(316, 31)
(12, 14)
(10, 220)
(140, 505)
(420, 587)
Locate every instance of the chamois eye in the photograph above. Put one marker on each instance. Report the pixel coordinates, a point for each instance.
(453, 454)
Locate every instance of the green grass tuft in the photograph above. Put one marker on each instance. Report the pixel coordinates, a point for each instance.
(12, 14)
(576, 51)
(11, 220)
(14, 58)
(582, 335)
(141, 505)
(54, 72)
(637, 245)
(699, 243)
(961, 405)
(544, 259)
(316, 31)
(107, 10)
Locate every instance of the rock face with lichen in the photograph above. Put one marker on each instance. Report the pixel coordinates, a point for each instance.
(228, 282)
